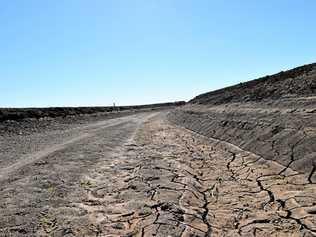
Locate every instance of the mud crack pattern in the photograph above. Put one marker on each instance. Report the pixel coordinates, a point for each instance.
(172, 182)
(168, 181)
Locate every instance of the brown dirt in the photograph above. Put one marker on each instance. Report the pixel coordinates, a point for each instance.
(143, 176)
(273, 117)
(298, 82)
(16, 114)
(240, 161)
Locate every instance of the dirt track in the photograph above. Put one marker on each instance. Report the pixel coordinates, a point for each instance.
(142, 176)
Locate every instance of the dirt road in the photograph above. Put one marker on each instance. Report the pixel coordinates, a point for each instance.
(140, 175)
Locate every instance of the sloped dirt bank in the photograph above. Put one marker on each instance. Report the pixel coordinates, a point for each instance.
(273, 117)
(282, 130)
(300, 81)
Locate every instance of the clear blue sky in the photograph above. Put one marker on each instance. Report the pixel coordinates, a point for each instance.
(95, 52)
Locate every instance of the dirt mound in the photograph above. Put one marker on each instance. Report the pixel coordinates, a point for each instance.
(300, 81)
(273, 117)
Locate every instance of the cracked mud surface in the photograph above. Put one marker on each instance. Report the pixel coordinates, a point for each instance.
(197, 187)
(144, 176)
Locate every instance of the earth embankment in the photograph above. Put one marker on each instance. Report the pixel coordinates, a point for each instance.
(273, 117)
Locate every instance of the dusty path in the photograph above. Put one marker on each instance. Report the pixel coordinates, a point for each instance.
(142, 176)
(42, 171)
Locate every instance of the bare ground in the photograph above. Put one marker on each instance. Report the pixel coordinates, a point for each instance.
(143, 176)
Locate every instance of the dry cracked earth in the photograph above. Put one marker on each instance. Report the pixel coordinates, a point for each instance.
(141, 175)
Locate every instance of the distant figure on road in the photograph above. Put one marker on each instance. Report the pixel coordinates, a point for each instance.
(115, 108)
